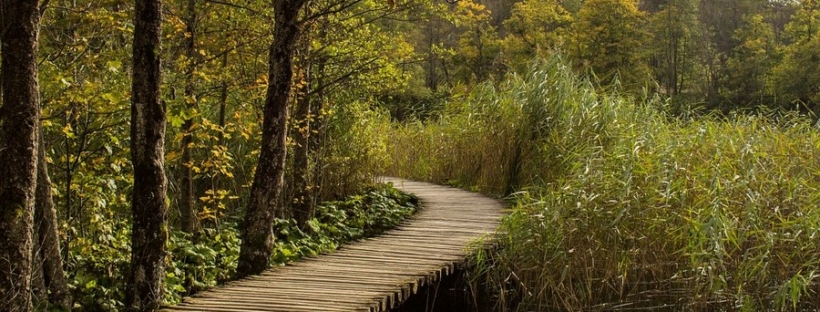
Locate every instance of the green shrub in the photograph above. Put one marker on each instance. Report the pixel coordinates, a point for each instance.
(202, 263)
(97, 268)
(378, 209)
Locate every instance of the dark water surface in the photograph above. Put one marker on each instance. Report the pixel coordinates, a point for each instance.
(451, 294)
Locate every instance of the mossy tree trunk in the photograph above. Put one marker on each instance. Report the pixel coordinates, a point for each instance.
(19, 118)
(45, 218)
(268, 181)
(148, 208)
(188, 209)
(302, 201)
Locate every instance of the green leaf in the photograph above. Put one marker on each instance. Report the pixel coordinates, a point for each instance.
(175, 121)
(114, 66)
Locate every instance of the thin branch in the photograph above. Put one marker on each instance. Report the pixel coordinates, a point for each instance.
(330, 10)
(239, 7)
(342, 77)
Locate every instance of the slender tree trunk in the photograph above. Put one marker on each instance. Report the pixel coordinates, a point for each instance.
(302, 203)
(669, 83)
(432, 78)
(69, 177)
(150, 214)
(317, 124)
(318, 127)
(223, 100)
(675, 64)
(268, 181)
(19, 116)
(216, 181)
(189, 215)
(45, 218)
(684, 55)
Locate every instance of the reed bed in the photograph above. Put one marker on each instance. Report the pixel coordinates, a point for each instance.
(618, 206)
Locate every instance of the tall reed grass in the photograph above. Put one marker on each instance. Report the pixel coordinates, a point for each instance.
(354, 149)
(621, 207)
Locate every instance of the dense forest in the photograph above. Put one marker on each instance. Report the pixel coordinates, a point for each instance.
(151, 149)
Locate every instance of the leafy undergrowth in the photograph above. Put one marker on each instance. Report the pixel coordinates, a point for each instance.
(98, 270)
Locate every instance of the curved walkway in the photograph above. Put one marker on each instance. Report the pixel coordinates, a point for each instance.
(373, 274)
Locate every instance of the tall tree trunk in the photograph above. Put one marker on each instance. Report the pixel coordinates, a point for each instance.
(150, 214)
(431, 78)
(19, 116)
(216, 181)
(318, 124)
(69, 180)
(684, 59)
(268, 181)
(302, 203)
(45, 218)
(223, 100)
(189, 215)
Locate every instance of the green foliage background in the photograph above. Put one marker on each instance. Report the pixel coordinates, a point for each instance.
(702, 110)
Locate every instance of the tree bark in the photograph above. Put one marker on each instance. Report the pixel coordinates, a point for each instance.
(189, 215)
(45, 218)
(302, 202)
(223, 101)
(39, 292)
(432, 35)
(148, 208)
(268, 181)
(19, 116)
(318, 126)
(216, 181)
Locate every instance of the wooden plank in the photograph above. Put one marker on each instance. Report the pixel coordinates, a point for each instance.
(372, 274)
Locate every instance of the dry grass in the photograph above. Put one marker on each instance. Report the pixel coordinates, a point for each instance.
(620, 207)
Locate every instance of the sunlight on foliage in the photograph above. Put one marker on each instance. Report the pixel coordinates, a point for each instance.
(618, 205)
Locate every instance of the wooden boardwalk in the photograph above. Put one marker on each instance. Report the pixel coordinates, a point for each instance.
(373, 274)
